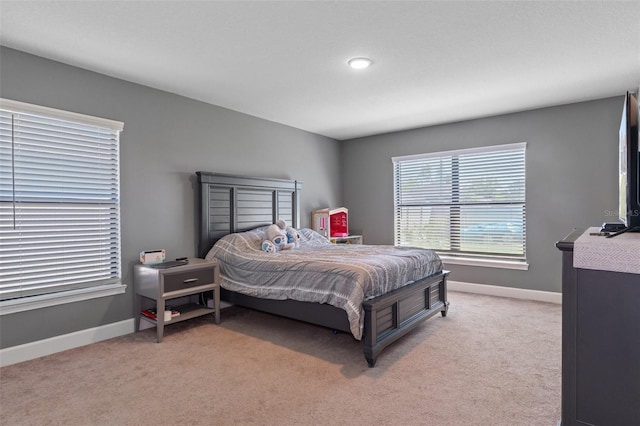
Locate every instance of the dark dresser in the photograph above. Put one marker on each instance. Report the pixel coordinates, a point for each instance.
(600, 330)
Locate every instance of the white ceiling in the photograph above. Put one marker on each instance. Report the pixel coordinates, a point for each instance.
(434, 61)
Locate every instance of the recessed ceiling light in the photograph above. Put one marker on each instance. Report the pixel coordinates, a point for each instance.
(359, 63)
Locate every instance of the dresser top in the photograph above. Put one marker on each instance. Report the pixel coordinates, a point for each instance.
(618, 254)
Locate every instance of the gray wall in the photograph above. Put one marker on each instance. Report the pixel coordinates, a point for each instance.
(166, 138)
(572, 166)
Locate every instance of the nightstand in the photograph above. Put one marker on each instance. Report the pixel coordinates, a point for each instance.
(184, 282)
(351, 239)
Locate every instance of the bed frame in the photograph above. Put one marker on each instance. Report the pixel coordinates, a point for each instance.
(229, 203)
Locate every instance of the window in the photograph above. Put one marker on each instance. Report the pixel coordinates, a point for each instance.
(465, 204)
(59, 202)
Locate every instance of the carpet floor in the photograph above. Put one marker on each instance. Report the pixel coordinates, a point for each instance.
(491, 361)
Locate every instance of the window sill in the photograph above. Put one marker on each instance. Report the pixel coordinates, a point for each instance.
(486, 263)
(37, 302)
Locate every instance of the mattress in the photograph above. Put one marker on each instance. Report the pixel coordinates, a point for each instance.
(342, 275)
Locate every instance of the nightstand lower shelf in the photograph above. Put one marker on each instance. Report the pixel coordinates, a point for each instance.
(187, 311)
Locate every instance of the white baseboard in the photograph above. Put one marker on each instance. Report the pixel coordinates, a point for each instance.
(495, 290)
(64, 342)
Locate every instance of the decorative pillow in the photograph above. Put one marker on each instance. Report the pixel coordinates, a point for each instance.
(310, 238)
(240, 241)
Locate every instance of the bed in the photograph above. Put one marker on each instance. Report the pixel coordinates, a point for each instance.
(234, 211)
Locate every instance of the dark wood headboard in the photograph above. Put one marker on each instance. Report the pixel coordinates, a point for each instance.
(230, 203)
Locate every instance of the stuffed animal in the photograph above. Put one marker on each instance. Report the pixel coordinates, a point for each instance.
(276, 238)
(268, 246)
(293, 236)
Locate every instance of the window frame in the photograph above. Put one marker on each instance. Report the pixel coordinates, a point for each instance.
(116, 286)
(446, 197)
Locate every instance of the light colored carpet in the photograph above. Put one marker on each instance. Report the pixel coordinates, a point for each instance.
(491, 361)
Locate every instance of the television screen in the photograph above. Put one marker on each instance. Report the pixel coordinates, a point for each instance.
(629, 167)
(622, 163)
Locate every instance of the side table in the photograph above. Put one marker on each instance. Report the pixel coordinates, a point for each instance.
(161, 285)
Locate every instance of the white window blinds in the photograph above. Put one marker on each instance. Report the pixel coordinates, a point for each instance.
(467, 203)
(59, 201)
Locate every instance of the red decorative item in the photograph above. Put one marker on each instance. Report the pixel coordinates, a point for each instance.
(331, 222)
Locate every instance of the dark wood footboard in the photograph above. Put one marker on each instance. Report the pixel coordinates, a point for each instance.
(392, 315)
(387, 317)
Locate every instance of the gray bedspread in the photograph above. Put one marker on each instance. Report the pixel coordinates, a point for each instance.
(342, 275)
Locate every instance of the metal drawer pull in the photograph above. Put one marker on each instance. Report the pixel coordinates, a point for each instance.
(192, 280)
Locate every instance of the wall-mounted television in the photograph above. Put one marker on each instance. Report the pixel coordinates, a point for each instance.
(629, 166)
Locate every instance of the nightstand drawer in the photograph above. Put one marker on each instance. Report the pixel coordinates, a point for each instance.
(182, 280)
